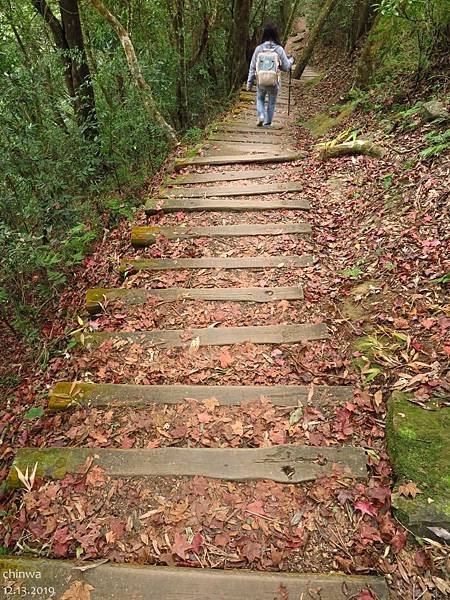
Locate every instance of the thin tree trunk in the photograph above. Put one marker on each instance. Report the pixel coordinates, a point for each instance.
(135, 70)
(68, 38)
(290, 21)
(313, 36)
(182, 93)
(362, 19)
(367, 59)
(81, 75)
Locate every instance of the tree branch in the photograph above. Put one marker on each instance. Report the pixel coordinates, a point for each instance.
(134, 68)
(58, 34)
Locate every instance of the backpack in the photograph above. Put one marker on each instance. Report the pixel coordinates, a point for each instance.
(267, 68)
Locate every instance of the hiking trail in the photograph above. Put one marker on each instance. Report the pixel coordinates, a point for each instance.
(217, 280)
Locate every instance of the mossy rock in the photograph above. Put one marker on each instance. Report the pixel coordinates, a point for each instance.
(419, 448)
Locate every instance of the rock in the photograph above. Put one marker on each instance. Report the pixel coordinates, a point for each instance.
(418, 443)
(434, 110)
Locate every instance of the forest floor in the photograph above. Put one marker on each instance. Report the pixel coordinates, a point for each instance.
(380, 231)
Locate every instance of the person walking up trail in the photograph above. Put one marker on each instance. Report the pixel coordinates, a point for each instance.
(269, 59)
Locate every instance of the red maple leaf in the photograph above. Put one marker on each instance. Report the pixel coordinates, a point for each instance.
(180, 545)
(367, 508)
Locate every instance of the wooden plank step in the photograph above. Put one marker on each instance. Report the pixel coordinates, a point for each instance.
(97, 297)
(214, 336)
(280, 157)
(236, 190)
(239, 148)
(170, 205)
(67, 394)
(283, 464)
(141, 582)
(144, 236)
(250, 262)
(249, 128)
(237, 137)
(195, 178)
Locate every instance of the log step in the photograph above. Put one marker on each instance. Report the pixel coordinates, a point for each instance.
(242, 190)
(207, 262)
(249, 129)
(213, 336)
(144, 236)
(169, 205)
(195, 178)
(283, 464)
(275, 157)
(137, 582)
(67, 394)
(97, 297)
(237, 137)
(239, 148)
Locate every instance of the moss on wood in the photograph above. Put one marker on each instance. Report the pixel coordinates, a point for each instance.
(52, 463)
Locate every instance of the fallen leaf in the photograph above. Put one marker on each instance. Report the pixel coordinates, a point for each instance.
(367, 508)
(408, 489)
(180, 545)
(225, 358)
(78, 591)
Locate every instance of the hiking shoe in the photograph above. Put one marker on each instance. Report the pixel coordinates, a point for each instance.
(267, 124)
(260, 122)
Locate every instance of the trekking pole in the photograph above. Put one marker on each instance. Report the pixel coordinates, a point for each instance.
(289, 93)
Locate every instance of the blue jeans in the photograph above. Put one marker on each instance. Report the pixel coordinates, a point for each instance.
(261, 93)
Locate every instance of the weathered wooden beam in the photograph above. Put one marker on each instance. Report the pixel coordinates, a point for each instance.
(213, 336)
(170, 205)
(68, 394)
(128, 265)
(144, 236)
(284, 463)
(97, 297)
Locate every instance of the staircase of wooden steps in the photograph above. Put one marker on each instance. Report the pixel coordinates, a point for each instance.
(233, 144)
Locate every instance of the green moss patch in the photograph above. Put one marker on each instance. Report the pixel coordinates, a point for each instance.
(319, 125)
(419, 447)
(52, 463)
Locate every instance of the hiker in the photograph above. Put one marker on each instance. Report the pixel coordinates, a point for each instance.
(268, 60)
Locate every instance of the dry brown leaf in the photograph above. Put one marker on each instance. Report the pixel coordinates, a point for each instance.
(408, 489)
(78, 591)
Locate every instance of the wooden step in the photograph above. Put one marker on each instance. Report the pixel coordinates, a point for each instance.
(195, 178)
(144, 236)
(213, 336)
(97, 297)
(274, 157)
(128, 265)
(283, 464)
(236, 190)
(238, 148)
(170, 205)
(237, 137)
(249, 128)
(142, 582)
(67, 394)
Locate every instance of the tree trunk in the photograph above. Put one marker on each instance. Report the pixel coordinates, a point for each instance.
(362, 19)
(367, 60)
(135, 70)
(81, 76)
(182, 93)
(237, 64)
(290, 21)
(313, 36)
(68, 39)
